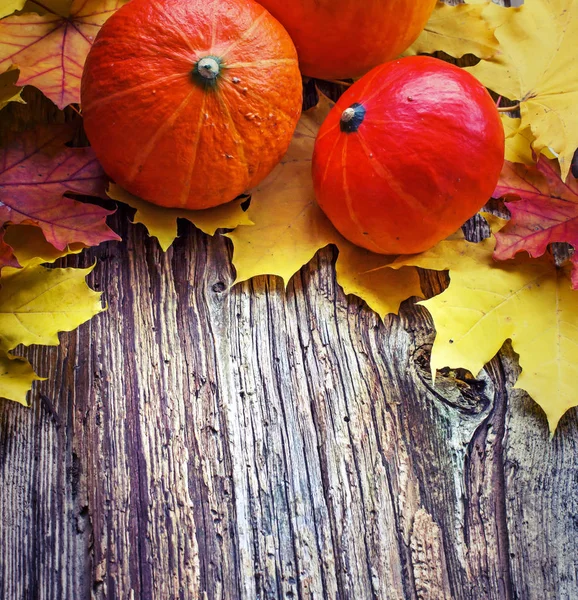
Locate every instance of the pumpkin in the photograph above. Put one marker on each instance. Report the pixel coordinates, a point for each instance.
(346, 38)
(407, 155)
(188, 103)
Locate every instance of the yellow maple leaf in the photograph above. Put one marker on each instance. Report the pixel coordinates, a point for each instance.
(31, 248)
(528, 301)
(537, 65)
(36, 303)
(161, 222)
(16, 378)
(460, 29)
(9, 6)
(288, 227)
(360, 272)
(518, 141)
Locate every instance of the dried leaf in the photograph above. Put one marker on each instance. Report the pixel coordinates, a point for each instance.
(36, 169)
(161, 222)
(36, 303)
(16, 378)
(527, 301)
(359, 272)
(546, 210)
(288, 227)
(537, 65)
(50, 49)
(458, 30)
(9, 92)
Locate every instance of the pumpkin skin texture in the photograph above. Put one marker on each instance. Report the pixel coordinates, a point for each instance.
(189, 103)
(346, 38)
(407, 155)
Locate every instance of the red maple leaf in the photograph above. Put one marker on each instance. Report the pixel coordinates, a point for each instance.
(50, 49)
(36, 170)
(545, 211)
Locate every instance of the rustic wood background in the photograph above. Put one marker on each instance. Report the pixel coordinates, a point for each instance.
(207, 442)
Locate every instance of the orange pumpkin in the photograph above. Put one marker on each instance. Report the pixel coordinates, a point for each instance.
(407, 155)
(188, 103)
(346, 38)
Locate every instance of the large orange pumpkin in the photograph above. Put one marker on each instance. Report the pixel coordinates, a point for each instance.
(407, 155)
(188, 103)
(346, 38)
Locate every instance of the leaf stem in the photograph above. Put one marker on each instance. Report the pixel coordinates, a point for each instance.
(505, 109)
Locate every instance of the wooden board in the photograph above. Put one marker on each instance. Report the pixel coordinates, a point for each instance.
(204, 441)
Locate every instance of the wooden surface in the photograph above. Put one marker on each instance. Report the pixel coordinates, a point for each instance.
(197, 441)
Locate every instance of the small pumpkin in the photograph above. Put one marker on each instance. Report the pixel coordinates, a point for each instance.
(346, 38)
(188, 103)
(407, 155)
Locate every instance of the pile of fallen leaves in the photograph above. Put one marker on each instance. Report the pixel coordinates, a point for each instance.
(506, 287)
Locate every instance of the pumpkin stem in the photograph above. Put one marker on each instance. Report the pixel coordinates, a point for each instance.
(352, 118)
(206, 71)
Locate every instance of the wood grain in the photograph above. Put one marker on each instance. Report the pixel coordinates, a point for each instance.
(204, 441)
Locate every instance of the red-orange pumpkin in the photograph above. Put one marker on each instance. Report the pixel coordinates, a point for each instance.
(188, 103)
(407, 155)
(346, 38)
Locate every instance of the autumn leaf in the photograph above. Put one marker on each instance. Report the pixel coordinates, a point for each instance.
(537, 65)
(9, 91)
(30, 247)
(460, 29)
(528, 301)
(7, 257)
(16, 377)
(10, 6)
(36, 169)
(36, 303)
(546, 210)
(288, 227)
(518, 141)
(161, 222)
(359, 272)
(50, 49)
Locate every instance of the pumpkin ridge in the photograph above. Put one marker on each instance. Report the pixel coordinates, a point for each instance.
(193, 159)
(329, 157)
(327, 131)
(167, 16)
(346, 191)
(244, 36)
(166, 124)
(137, 88)
(241, 144)
(386, 174)
(266, 62)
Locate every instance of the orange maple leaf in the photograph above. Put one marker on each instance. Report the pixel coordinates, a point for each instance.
(50, 49)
